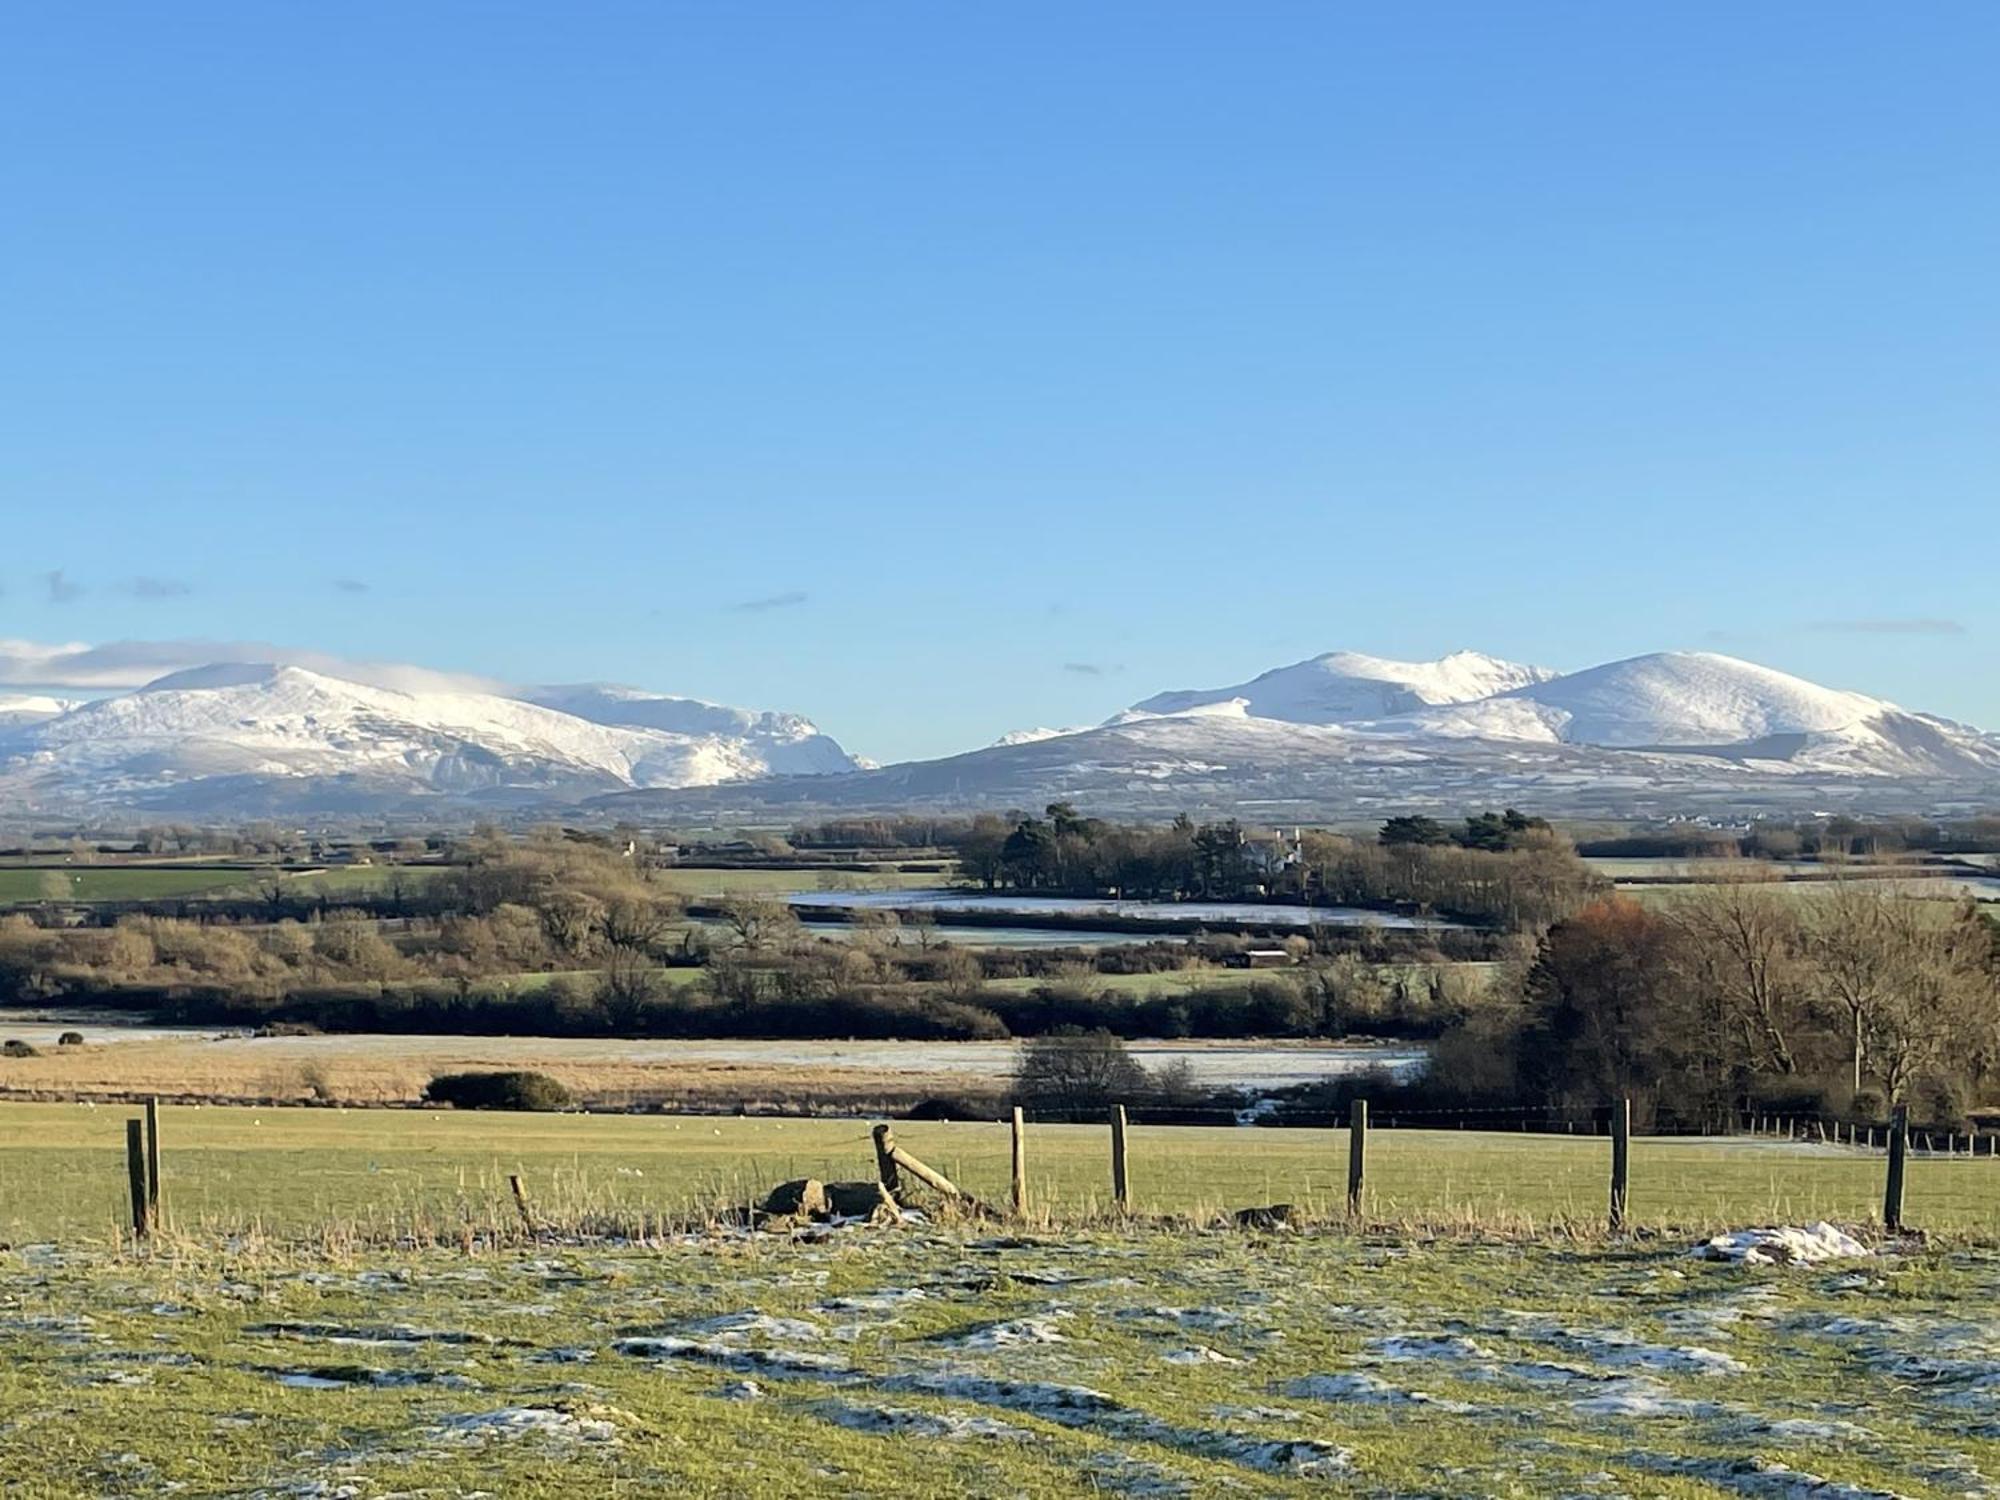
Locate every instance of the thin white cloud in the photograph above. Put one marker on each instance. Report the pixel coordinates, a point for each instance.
(78, 666)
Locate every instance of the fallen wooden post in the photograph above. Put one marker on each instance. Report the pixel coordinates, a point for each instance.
(891, 1161)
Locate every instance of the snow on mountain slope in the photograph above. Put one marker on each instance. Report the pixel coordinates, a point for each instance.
(1699, 702)
(245, 723)
(788, 744)
(1343, 687)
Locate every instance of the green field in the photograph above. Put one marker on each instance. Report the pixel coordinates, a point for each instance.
(62, 1173)
(116, 883)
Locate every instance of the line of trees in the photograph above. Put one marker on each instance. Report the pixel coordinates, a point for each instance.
(1503, 869)
(1848, 1001)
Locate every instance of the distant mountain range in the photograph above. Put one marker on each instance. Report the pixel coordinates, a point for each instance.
(1337, 735)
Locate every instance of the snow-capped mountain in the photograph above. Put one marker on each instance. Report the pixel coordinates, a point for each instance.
(1336, 736)
(1342, 687)
(1702, 703)
(1346, 735)
(261, 735)
(786, 744)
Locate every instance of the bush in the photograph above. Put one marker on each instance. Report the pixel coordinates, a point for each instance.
(509, 1090)
(15, 1047)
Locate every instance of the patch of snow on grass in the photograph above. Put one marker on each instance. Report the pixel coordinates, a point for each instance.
(1784, 1245)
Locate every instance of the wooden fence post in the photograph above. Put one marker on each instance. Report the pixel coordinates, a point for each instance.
(1020, 1163)
(1357, 1153)
(1621, 1160)
(1121, 1182)
(521, 1202)
(135, 1173)
(885, 1160)
(153, 1155)
(1899, 1145)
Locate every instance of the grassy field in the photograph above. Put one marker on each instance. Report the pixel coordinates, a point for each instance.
(62, 1173)
(931, 1362)
(116, 883)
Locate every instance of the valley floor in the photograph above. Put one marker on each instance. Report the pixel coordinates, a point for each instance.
(932, 1362)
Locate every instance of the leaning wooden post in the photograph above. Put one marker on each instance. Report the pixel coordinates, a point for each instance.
(135, 1173)
(1121, 1178)
(1020, 1124)
(1357, 1152)
(1899, 1145)
(153, 1155)
(1621, 1160)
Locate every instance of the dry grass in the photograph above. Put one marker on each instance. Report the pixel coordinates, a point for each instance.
(395, 1070)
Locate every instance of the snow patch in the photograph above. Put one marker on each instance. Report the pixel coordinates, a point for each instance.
(1782, 1246)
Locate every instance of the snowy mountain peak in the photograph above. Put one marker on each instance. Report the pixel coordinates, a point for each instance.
(1344, 687)
(1694, 698)
(280, 735)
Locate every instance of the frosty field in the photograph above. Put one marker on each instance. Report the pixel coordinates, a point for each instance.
(929, 1361)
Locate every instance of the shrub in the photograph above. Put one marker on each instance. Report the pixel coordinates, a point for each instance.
(1076, 1072)
(507, 1090)
(15, 1047)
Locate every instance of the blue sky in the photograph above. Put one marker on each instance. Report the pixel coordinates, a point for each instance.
(941, 370)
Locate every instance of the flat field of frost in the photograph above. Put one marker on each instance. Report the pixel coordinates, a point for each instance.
(921, 1360)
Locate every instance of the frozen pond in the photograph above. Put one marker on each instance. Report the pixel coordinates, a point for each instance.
(39, 1026)
(1245, 913)
(1005, 937)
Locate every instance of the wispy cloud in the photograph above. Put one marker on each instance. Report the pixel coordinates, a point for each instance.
(790, 599)
(112, 665)
(61, 589)
(147, 587)
(350, 586)
(1918, 625)
(1091, 668)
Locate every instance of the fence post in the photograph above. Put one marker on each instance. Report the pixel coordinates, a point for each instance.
(1621, 1160)
(153, 1155)
(1020, 1164)
(1121, 1182)
(1899, 1145)
(885, 1161)
(1357, 1153)
(520, 1192)
(135, 1173)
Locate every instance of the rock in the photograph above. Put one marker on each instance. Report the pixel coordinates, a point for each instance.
(858, 1200)
(804, 1196)
(1276, 1216)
